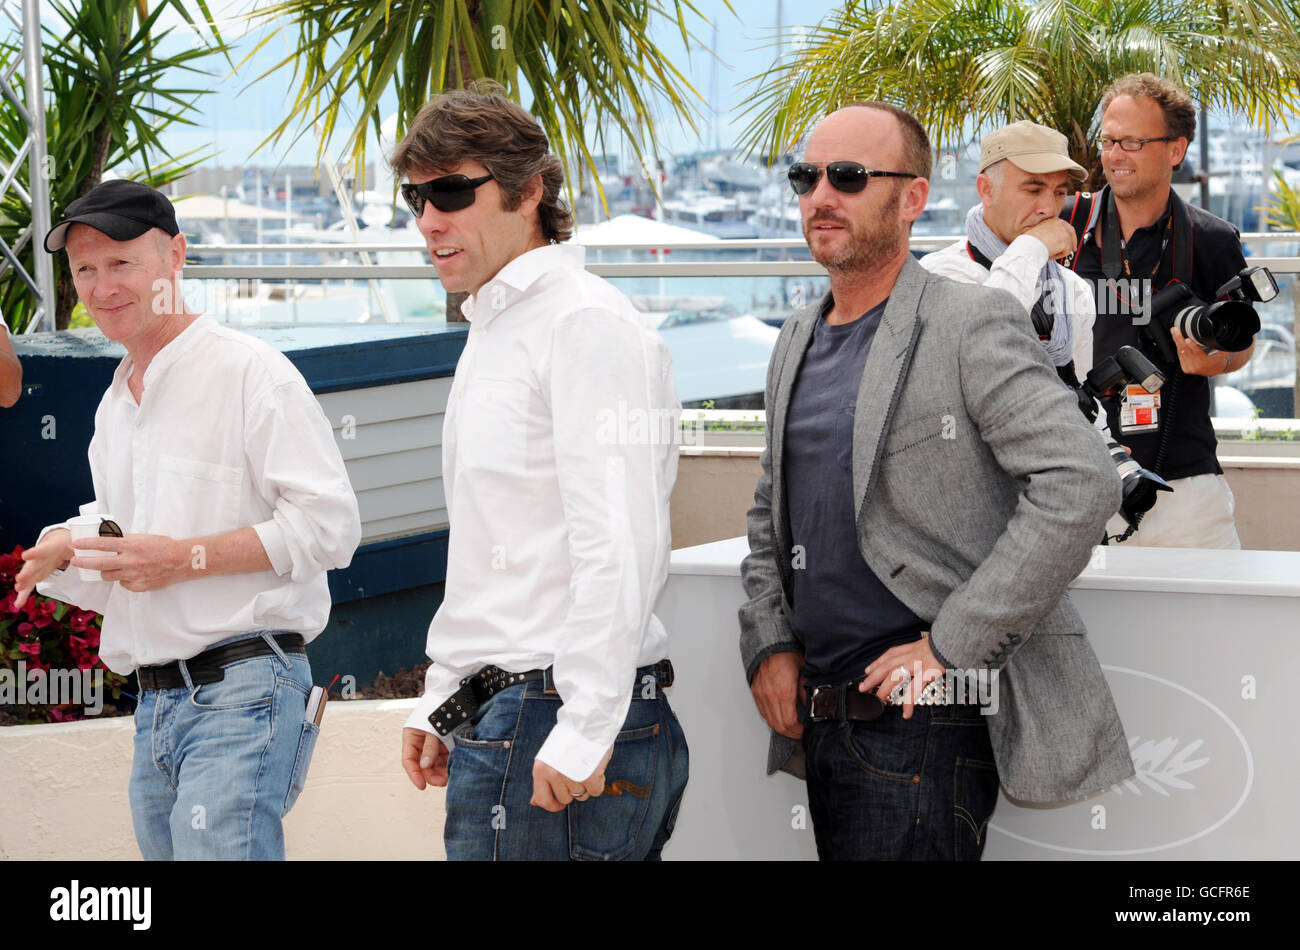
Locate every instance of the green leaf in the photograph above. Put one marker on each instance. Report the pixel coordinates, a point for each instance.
(584, 64)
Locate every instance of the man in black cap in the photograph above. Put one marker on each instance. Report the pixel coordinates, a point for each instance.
(221, 500)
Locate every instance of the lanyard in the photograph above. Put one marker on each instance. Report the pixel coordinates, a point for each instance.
(1164, 246)
(1114, 250)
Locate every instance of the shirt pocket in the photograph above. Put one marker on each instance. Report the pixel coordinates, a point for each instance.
(195, 498)
(492, 426)
(919, 429)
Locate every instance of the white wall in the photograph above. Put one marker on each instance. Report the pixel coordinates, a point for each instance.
(64, 791)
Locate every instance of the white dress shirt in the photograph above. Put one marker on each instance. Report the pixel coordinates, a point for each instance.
(227, 435)
(559, 456)
(1018, 271)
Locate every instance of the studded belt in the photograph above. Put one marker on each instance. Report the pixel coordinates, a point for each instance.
(478, 689)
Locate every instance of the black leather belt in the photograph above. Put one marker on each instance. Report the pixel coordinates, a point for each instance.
(478, 689)
(206, 667)
(843, 702)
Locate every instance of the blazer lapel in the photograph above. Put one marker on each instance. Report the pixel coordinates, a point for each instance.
(882, 377)
(792, 359)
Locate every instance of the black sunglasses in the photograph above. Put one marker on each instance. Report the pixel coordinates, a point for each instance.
(848, 177)
(109, 529)
(448, 193)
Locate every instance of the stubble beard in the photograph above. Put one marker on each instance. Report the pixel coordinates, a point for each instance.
(1131, 188)
(867, 248)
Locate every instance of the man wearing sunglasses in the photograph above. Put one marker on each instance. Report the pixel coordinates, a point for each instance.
(544, 712)
(928, 491)
(1136, 236)
(222, 501)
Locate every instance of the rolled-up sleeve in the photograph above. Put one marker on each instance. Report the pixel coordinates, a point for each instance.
(299, 472)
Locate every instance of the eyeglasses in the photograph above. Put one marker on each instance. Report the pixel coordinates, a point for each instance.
(448, 193)
(1130, 145)
(109, 529)
(848, 177)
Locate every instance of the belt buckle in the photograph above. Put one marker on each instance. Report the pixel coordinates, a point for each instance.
(813, 714)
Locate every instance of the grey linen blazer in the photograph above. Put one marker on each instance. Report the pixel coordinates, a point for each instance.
(981, 490)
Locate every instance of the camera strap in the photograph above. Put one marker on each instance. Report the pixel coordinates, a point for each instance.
(1043, 317)
(1177, 232)
(1083, 224)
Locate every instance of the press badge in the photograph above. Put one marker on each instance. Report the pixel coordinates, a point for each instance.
(1140, 410)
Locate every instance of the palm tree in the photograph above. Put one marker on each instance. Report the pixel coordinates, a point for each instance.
(585, 65)
(109, 93)
(1283, 214)
(958, 64)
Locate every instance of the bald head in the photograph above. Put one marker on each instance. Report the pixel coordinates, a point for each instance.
(856, 234)
(915, 154)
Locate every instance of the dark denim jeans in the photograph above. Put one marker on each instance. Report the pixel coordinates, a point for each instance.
(490, 783)
(895, 789)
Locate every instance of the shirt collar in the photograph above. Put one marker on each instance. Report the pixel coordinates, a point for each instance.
(512, 280)
(165, 357)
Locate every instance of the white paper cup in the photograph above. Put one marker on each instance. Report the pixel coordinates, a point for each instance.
(87, 526)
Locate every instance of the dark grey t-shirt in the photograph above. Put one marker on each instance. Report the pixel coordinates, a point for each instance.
(842, 612)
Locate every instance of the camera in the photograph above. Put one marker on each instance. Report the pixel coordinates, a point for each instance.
(1227, 325)
(1104, 381)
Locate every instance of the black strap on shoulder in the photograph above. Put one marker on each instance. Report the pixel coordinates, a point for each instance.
(1084, 209)
(1042, 318)
(1183, 239)
(978, 256)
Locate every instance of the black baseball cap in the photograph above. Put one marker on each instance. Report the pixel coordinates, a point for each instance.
(122, 209)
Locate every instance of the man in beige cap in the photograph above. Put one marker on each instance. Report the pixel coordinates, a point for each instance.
(1013, 237)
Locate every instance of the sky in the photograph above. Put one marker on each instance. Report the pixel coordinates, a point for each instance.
(237, 116)
(240, 113)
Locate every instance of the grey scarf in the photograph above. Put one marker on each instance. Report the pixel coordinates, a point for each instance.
(1060, 348)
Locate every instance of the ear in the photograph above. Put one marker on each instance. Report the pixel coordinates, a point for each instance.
(984, 188)
(918, 193)
(176, 251)
(532, 196)
(1177, 151)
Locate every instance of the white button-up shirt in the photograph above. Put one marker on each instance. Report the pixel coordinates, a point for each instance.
(559, 456)
(1018, 270)
(227, 435)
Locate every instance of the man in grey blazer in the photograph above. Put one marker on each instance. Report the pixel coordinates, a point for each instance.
(928, 491)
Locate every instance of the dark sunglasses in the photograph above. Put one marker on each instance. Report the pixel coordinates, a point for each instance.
(448, 193)
(848, 177)
(109, 529)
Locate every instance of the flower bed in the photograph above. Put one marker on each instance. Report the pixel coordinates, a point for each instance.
(47, 635)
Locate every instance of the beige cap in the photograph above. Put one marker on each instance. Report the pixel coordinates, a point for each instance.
(1031, 147)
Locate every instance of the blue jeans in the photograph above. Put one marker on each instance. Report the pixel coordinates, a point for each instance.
(490, 783)
(895, 789)
(217, 766)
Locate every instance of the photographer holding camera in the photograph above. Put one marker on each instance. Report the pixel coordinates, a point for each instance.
(1137, 239)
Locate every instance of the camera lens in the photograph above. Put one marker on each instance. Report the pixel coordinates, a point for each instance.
(1226, 325)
